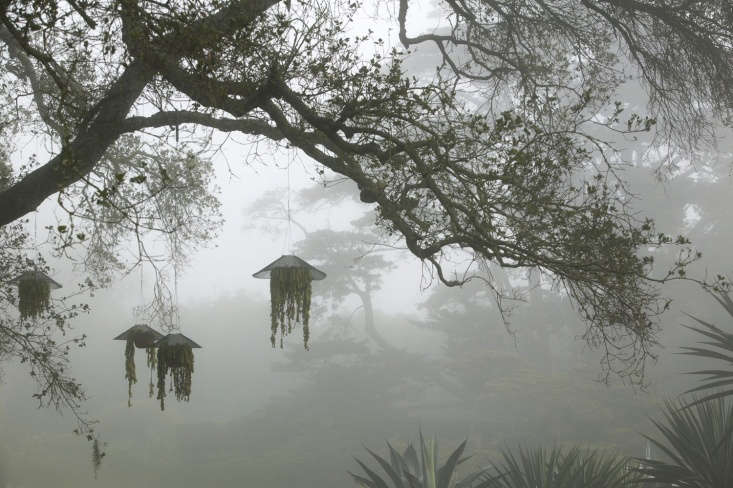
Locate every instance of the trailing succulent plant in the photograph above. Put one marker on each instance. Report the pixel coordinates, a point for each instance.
(139, 336)
(152, 356)
(290, 300)
(130, 374)
(34, 295)
(178, 361)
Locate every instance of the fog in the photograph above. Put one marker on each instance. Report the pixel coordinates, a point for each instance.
(435, 358)
(391, 350)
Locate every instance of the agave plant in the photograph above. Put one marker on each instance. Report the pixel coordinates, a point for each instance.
(698, 441)
(410, 470)
(556, 468)
(721, 348)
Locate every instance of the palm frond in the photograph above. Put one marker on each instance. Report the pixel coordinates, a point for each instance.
(556, 468)
(720, 348)
(697, 440)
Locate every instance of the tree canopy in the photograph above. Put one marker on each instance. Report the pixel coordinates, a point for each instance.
(504, 152)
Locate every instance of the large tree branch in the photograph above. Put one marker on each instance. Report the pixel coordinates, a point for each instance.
(82, 153)
(162, 119)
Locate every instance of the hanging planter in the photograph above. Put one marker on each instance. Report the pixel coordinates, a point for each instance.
(290, 294)
(142, 337)
(175, 355)
(34, 292)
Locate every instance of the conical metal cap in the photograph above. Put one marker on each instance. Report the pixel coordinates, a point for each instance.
(38, 276)
(176, 340)
(289, 261)
(136, 330)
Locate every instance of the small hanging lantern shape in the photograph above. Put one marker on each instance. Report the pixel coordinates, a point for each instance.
(142, 337)
(175, 355)
(290, 294)
(34, 292)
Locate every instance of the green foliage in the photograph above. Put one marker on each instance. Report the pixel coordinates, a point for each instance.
(290, 301)
(697, 440)
(722, 342)
(410, 470)
(33, 297)
(178, 361)
(556, 468)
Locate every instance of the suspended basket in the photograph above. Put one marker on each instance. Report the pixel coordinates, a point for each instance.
(290, 294)
(175, 355)
(138, 336)
(34, 292)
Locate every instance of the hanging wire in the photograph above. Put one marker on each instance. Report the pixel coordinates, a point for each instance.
(141, 303)
(176, 312)
(290, 220)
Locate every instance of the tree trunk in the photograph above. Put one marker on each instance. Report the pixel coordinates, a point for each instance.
(369, 325)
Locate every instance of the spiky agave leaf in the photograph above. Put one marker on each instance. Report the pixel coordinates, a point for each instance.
(393, 470)
(411, 461)
(428, 455)
(720, 349)
(697, 439)
(408, 470)
(445, 472)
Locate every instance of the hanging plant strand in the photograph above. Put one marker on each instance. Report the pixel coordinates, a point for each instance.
(130, 375)
(290, 295)
(139, 336)
(179, 361)
(152, 362)
(97, 456)
(290, 299)
(33, 297)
